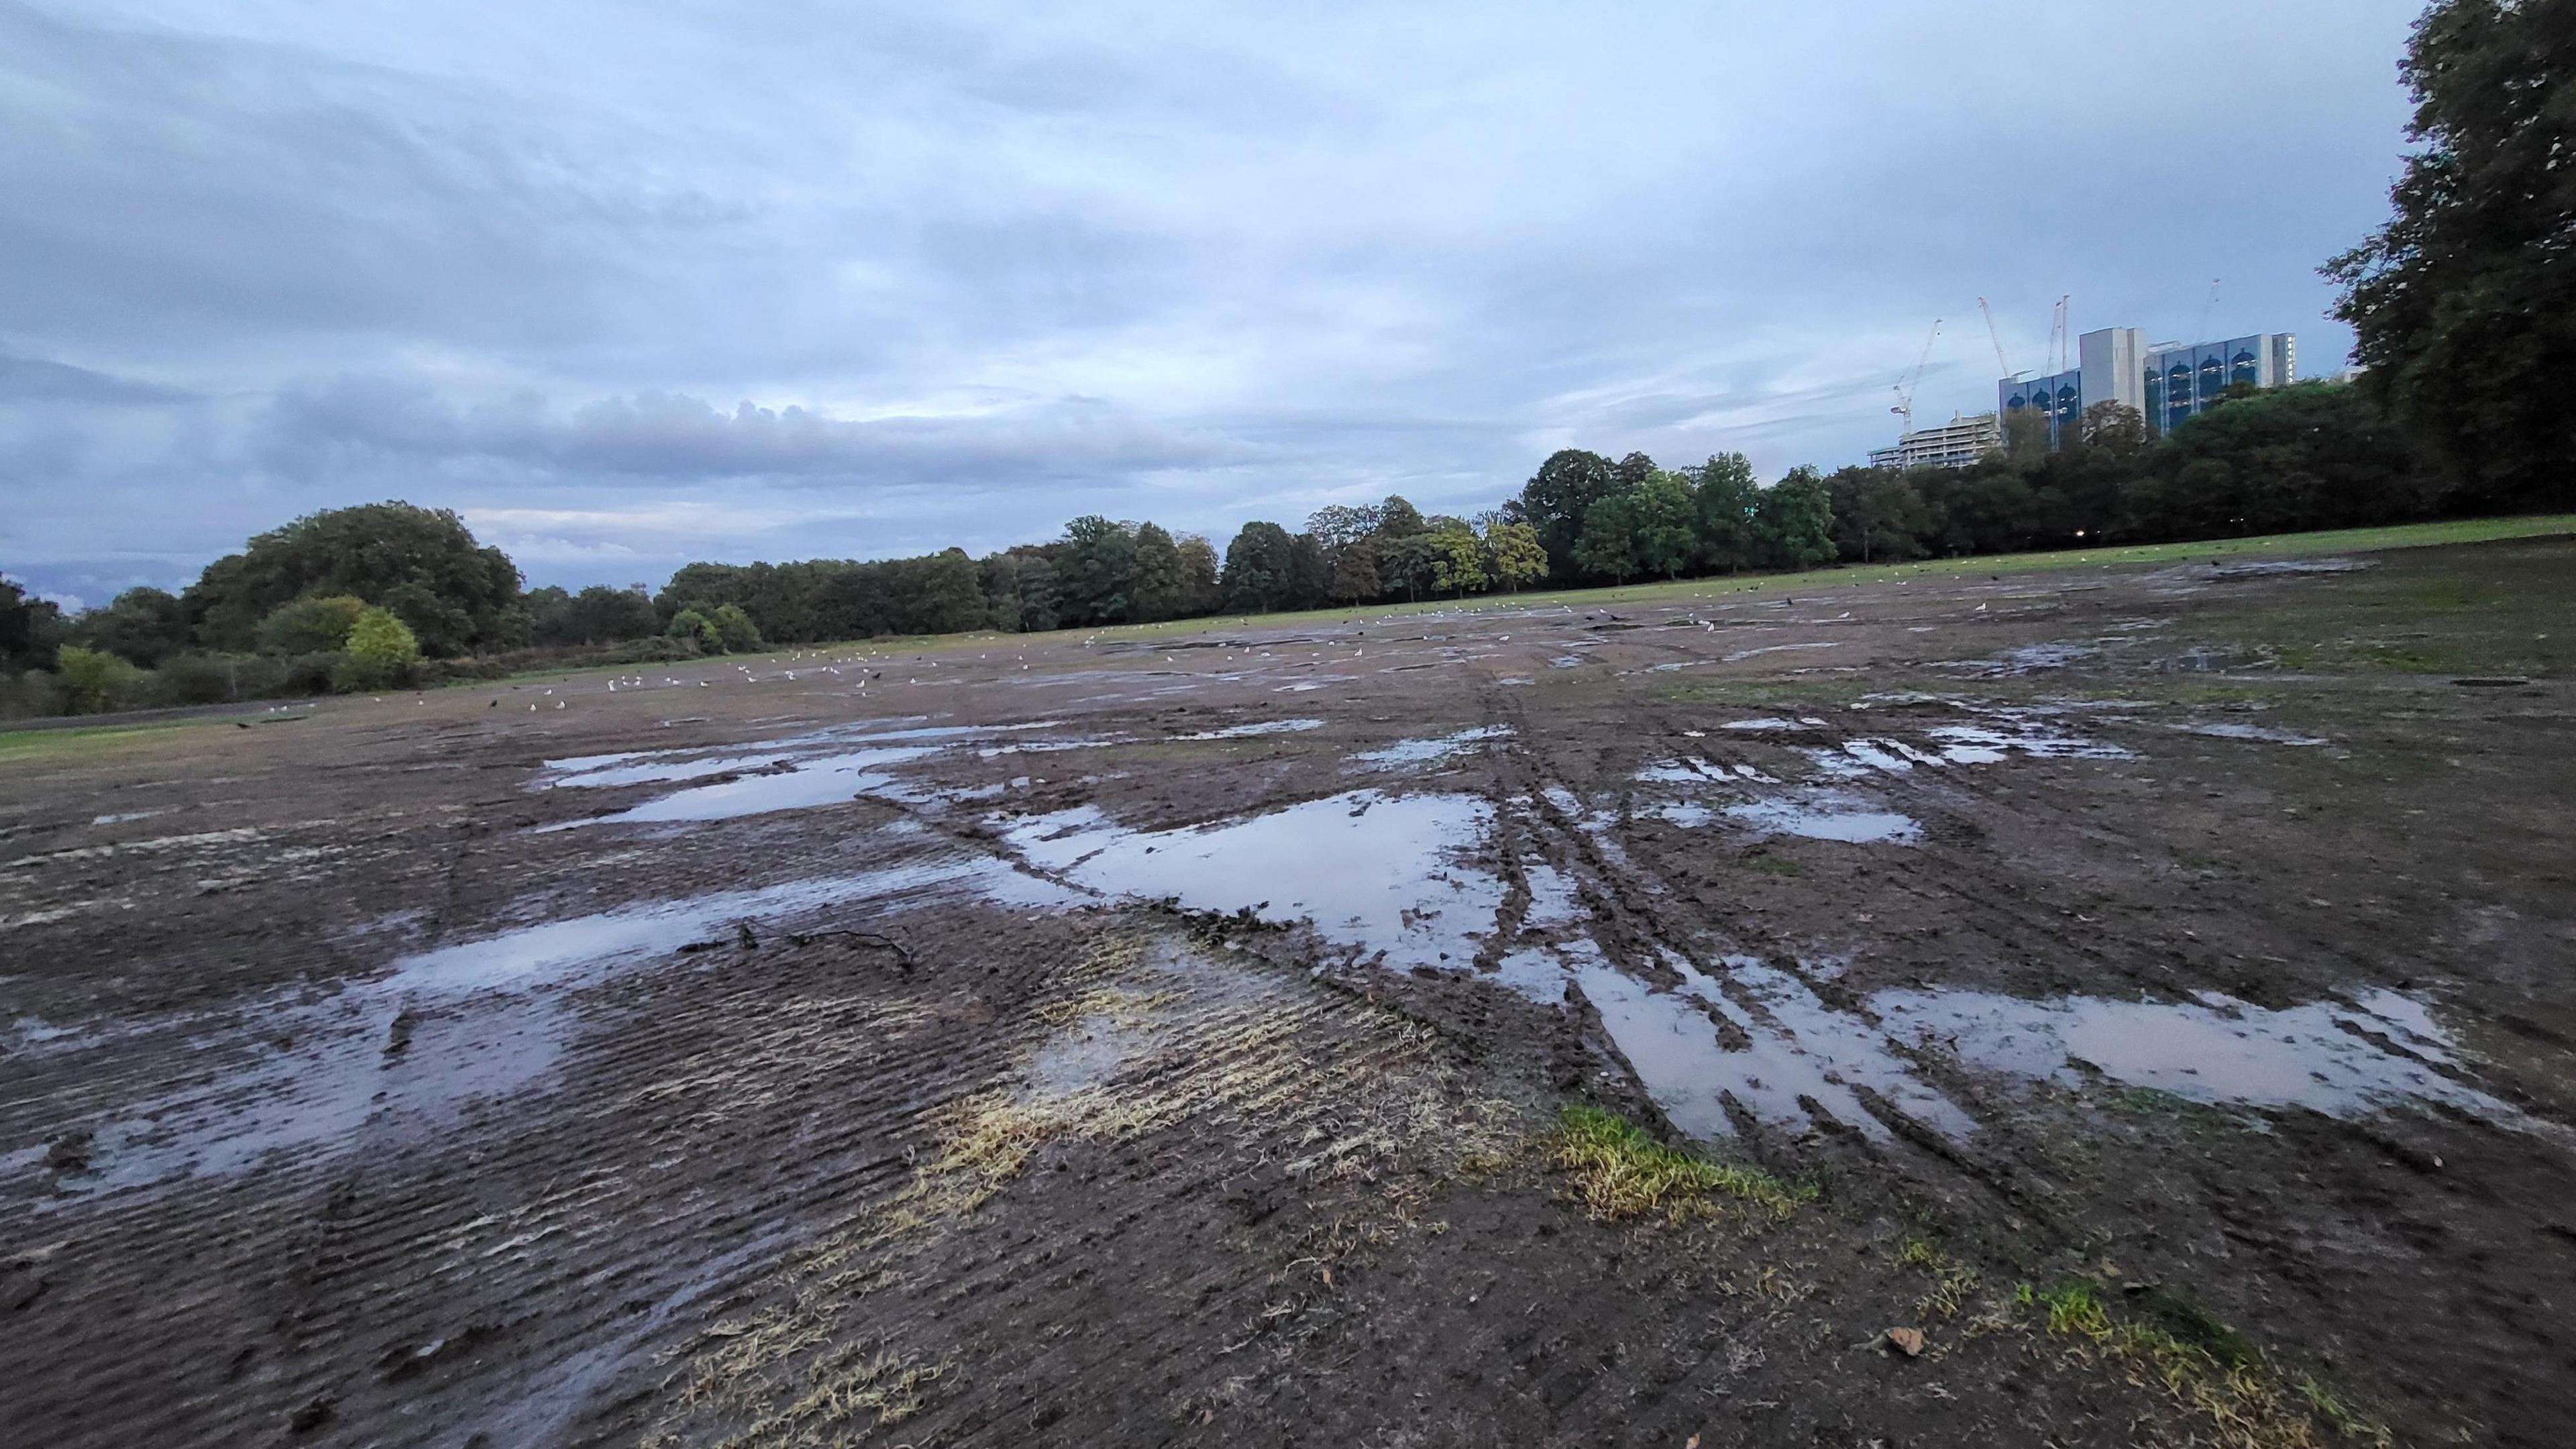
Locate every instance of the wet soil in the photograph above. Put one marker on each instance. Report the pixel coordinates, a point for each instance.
(1161, 1038)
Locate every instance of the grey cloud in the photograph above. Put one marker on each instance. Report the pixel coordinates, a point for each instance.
(1021, 264)
(166, 184)
(669, 437)
(36, 379)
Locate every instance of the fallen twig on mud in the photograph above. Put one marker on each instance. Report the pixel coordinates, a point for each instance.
(903, 956)
(745, 938)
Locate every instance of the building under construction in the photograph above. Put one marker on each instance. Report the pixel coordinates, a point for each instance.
(2165, 383)
(1954, 444)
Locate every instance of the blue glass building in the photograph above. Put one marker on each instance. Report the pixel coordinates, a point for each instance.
(2165, 384)
(2181, 381)
(2060, 398)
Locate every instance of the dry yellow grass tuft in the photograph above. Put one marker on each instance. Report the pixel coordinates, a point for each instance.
(1952, 1280)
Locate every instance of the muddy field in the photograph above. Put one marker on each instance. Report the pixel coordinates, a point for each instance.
(2147, 990)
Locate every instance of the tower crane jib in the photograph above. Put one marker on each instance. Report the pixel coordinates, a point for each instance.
(1905, 385)
(2003, 368)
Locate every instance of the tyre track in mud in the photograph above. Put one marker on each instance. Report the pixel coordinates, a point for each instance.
(1240, 1133)
(479, 1305)
(533, 1258)
(1635, 916)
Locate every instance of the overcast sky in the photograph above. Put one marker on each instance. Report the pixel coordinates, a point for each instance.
(629, 284)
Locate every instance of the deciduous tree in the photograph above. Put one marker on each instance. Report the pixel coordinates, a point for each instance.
(311, 626)
(1726, 495)
(417, 561)
(1095, 572)
(1607, 547)
(381, 654)
(2463, 306)
(1793, 522)
(1457, 560)
(1557, 499)
(1256, 568)
(1516, 555)
(142, 626)
(1156, 591)
(1667, 524)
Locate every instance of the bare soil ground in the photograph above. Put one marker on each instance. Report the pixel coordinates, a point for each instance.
(2147, 987)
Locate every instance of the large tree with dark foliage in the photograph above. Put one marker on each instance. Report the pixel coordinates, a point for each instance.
(1556, 501)
(30, 629)
(1096, 571)
(2317, 455)
(1155, 591)
(142, 626)
(596, 615)
(454, 594)
(2464, 304)
(1258, 568)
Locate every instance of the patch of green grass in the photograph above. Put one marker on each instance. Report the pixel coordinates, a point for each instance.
(23, 743)
(2339, 1416)
(2502, 611)
(2167, 1338)
(2177, 1318)
(1772, 864)
(1620, 1173)
(1952, 1280)
(2075, 1306)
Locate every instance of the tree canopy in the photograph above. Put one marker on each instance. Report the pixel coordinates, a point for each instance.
(1557, 499)
(2463, 306)
(30, 629)
(143, 626)
(453, 593)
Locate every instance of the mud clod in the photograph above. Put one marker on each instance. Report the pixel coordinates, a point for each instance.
(69, 1155)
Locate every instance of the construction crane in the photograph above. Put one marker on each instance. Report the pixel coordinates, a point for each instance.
(2057, 338)
(2003, 368)
(1905, 385)
(2200, 334)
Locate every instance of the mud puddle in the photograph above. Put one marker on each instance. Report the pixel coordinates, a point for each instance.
(2345, 1060)
(1827, 809)
(2029, 734)
(1816, 815)
(2233, 731)
(403, 1055)
(1743, 654)
(802, 772)
(1756, 1039)
(1381, 873)
(1254, 730)
(569, 952)
(1405, 753)
(786, 784)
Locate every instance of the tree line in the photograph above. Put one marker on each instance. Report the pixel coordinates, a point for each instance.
(2463, 306)
(1102, 571)
(389, 594)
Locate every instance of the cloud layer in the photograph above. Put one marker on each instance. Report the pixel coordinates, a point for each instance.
(631, 285)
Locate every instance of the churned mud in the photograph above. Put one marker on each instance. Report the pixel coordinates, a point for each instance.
(2098, 1007)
